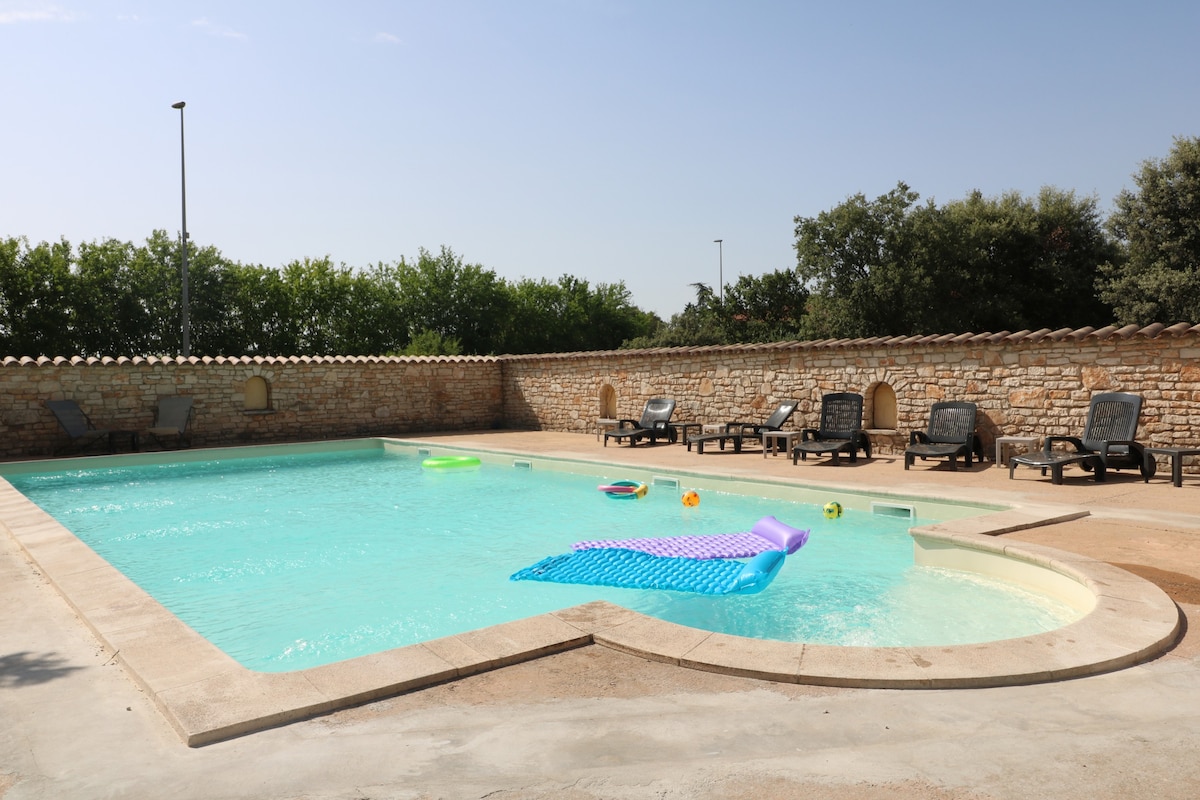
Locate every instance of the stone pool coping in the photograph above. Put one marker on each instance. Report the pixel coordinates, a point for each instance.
(206, 696)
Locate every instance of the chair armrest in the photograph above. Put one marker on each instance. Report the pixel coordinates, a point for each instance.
(920, 437)
(810, 435)
(1072, 440)
(621, 423)
(661, 425)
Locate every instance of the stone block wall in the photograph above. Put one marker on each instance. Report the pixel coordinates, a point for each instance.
(1028, 383)
(1024, 384)
(308, 398)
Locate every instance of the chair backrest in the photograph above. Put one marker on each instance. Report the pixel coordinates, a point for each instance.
(781, 416)
(1112, 417)
(657, 410)
(951, 422)
(841, 415)
(71, 417)
(174, 412)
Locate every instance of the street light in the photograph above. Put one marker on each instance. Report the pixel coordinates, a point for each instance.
(721, 266)
(187, 325)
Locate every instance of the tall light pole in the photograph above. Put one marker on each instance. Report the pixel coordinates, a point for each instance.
(187, 325)
(721, 266)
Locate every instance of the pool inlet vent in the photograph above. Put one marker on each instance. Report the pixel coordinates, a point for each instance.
(522, 464)
(663, 480)
(893, 510)
(424, 451)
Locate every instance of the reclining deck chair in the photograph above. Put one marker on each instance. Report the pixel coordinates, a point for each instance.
(736, 431)
(1107, 441)
(78, 426)
(840, 431)
(653, 424)
(951, 432)
(172, 420)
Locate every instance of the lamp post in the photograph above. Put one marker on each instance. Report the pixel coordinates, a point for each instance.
(187, 325)
(720, 266)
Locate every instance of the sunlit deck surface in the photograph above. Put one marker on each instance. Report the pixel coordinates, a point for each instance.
(597, 722)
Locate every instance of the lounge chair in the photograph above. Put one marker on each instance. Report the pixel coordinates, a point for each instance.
(653, 424)
(951, 433)
(1107, 441)
(172, 422)
(840, 431)
(736, 431)
(78, 426)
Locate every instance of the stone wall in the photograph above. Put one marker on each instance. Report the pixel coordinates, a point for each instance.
(1026, 383)
(308, 398)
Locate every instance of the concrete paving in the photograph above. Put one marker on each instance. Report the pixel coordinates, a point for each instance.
(595, 723)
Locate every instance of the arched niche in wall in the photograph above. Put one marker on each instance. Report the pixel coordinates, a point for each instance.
(608, 402)
(257, 394)
(882, 407)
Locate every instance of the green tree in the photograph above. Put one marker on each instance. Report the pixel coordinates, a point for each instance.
(767, 308)
(1159, 228)
(569, 315)
(36, 308)
(700, 323)
(856, 260)
(1007, 263)
(464, 302)
(892, 267)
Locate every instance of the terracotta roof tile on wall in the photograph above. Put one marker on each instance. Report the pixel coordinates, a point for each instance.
(1179, 329)
(1010, 337)
(28, 361)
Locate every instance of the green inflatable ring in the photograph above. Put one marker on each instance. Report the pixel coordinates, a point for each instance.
(450, 462)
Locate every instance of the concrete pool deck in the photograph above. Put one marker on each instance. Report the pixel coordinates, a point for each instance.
(598, 723)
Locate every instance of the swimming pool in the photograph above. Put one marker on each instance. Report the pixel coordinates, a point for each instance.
(294, 561)
(206, 696)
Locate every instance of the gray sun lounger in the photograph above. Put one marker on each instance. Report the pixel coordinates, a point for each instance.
(951, 433)
(653, 425)
(1107, 442)
(840, 431)
(737, 431)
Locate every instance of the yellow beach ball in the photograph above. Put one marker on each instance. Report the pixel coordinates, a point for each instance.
(691, 499)
(833, 510)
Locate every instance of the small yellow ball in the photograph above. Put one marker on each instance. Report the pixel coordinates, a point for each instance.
(691, 499)
(833, 510)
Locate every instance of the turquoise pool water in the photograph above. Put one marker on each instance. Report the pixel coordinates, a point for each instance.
(290, 562)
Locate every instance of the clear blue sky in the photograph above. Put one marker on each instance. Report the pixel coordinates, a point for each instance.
(612, 140)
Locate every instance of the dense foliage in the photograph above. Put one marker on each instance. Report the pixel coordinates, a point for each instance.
(890, 266)
(115, 298)
(1158, 226)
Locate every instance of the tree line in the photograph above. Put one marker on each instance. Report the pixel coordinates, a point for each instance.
(893, 266)
(117, 298)
(887, 266)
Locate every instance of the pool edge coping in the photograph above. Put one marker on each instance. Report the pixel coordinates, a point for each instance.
(207, 697)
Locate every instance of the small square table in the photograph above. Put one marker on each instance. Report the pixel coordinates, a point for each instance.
(771, 439)
(1003, 442)
(682, 428)
(605, 424)
(1176, 454)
